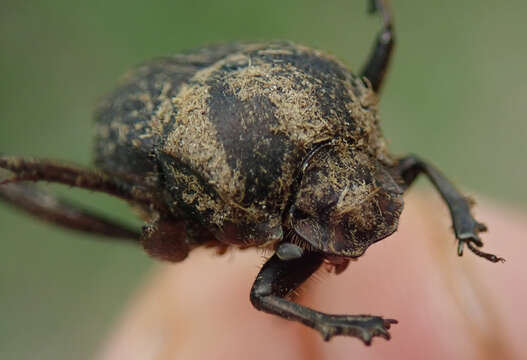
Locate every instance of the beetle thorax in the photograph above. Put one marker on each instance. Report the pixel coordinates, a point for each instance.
(346, 201)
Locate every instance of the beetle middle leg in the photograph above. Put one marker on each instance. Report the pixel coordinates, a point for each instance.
(29, 169)
(379, 59)
(279, 277)
(466, 227)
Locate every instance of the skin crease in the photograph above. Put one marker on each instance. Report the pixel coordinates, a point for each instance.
(448, 307)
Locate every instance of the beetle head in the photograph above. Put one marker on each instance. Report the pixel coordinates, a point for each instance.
(346, 201)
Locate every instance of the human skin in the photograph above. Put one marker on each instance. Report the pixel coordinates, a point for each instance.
(448, 307)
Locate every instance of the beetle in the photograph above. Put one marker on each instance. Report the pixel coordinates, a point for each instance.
(271, 145)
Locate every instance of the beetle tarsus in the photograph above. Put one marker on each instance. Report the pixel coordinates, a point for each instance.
(490, 257)
(466, 228)
(278, 278)
(472, 238)
(364, 327)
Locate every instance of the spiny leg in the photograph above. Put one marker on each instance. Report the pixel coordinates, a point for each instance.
(379, 59)
(52, 209)
(279, 277)
(466, 227)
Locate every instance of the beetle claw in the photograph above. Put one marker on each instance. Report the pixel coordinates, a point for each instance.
(471, 239)
(468, 233)
(490, 257)
(364, 327)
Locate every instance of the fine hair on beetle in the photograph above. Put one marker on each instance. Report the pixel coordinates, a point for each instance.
(269, 145)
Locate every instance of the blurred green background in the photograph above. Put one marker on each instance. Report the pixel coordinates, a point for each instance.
(455, 95)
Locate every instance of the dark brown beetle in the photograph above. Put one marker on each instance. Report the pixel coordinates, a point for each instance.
(250, 145)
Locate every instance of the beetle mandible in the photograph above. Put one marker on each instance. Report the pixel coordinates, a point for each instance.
(271, 145)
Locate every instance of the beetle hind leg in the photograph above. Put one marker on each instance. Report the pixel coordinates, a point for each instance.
(280, 277)
(379, 60)
(50, 208)
(466, 228)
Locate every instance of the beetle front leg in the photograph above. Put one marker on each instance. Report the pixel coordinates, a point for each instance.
(466, 227)
(279, 277)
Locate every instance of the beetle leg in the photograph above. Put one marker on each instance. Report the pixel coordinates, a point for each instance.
(52, 209)
(466, 227)
(379, 59)
(165, 239)
(28, 169)
(279, 277)
(289, 251)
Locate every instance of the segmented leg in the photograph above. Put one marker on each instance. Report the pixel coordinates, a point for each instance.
(379, 59)
(279, 277)
(28, 169)
(466, 227)
(52, 209)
